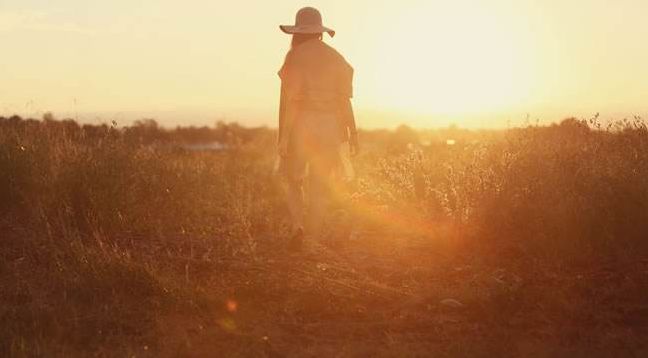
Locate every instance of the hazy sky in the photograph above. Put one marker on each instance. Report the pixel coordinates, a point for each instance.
(427, 63)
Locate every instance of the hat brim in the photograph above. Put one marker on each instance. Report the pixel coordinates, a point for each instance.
(289, 29)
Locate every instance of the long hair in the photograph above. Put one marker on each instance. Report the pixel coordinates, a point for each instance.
(298, 39)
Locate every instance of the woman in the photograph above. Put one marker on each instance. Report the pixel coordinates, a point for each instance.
(315, 118)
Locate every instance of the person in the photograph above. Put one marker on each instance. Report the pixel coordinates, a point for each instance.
(315, 119)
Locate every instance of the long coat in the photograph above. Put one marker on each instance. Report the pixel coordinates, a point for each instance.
(315, 75)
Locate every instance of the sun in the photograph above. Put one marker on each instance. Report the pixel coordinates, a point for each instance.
(450, 59)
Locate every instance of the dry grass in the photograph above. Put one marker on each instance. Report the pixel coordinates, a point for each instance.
(525, 242)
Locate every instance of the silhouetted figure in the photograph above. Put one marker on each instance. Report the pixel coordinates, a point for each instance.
(315, 118)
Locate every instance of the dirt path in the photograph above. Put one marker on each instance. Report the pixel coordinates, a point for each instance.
(405, 298)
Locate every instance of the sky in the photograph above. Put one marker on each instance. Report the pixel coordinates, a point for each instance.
(425, 63)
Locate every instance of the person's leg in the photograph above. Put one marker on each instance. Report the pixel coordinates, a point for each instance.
(319, 191)
(295, 174)
(295, 200)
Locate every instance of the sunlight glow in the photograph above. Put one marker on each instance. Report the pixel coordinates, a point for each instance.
(460, 62)
(425, 63)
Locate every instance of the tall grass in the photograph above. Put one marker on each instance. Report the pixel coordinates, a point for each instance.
(101, 233)
(105, 230)
(560, 191)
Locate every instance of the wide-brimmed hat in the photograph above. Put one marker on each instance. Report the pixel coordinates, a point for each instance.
(307, 21)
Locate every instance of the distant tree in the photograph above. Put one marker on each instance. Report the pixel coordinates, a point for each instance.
(147, 123)
(573, 127)
(48, 117)
(145, 131)
(573, 122)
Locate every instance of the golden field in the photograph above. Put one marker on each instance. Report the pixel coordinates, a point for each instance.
(138, 241)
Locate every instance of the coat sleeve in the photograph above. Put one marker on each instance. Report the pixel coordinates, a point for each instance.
(282, 115)
(348, 81)
(283, 99)
(289, 82)
(346, 108)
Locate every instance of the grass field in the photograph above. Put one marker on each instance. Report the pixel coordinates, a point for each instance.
(522, 242)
